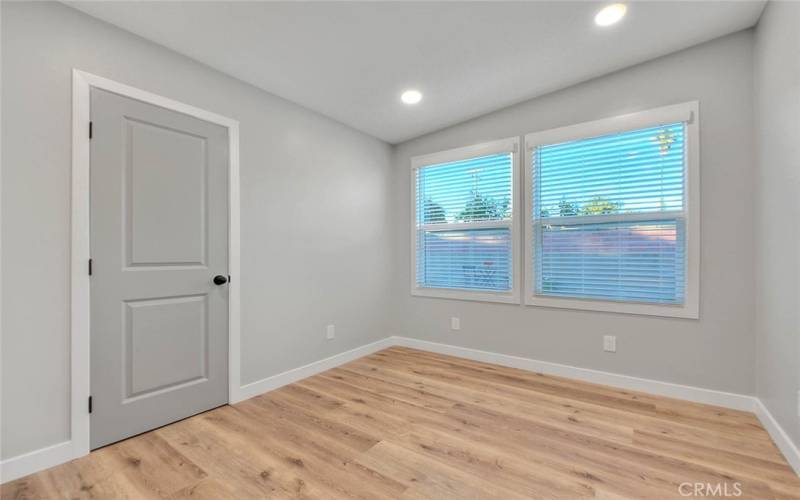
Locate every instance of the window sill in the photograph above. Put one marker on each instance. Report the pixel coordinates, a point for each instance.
(689, 310)
(465, 294)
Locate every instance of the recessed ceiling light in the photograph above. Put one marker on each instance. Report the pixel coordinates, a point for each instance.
(610, 14)
(411, 96)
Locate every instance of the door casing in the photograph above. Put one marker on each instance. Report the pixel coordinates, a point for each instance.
(80, 282)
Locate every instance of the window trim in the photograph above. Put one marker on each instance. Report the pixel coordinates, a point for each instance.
(686, 112)
(507, 145)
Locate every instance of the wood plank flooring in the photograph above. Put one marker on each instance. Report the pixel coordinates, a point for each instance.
(408, 424)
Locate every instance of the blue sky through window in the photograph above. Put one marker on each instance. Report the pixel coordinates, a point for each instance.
(467, 190)
(629, 172)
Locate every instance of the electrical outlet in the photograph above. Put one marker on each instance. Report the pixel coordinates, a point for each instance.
(610, 343)
(330, 332)
(455, 323)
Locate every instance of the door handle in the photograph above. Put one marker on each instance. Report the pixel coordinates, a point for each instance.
(220, 279)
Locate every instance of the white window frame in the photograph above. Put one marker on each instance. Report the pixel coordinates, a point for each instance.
(508, 145)
(686, 112)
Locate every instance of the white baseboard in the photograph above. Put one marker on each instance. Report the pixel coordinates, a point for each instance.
(271, 383)
(36, 460)
(51, 456)
(685, 392)
(778, 435)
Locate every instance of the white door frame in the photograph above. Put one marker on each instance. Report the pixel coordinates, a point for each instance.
(80, 303)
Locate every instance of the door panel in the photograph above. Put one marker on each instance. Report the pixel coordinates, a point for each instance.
(166, 197)
(166, 344)
(159, 234)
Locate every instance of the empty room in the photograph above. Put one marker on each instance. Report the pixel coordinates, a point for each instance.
(400, 250)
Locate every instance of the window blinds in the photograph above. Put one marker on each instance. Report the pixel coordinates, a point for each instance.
(463, 224)
(609, 216)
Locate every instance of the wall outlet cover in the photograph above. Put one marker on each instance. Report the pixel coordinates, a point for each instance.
(610, 343)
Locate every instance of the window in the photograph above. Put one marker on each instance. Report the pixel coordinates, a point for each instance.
(612, 220)
(464, 204)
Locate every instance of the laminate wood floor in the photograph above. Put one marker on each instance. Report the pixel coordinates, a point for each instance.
(403, 424)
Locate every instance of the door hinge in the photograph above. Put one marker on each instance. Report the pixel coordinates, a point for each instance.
(90, 404)
(90, 130)
(90, 267)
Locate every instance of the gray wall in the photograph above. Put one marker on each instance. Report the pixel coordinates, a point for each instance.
(714, 352)
(315, 237)
(777, 80)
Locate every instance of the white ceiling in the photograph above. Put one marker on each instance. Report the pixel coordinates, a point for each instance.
(350, 61)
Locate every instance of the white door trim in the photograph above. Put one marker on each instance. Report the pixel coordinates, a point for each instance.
(80, 304)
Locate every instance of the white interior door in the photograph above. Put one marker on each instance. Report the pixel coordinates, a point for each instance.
(159, 247)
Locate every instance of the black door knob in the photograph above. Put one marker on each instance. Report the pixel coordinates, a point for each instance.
(220, 279)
